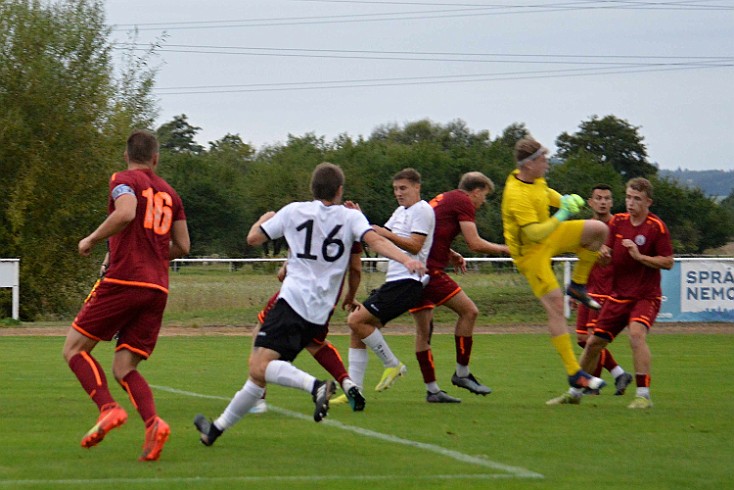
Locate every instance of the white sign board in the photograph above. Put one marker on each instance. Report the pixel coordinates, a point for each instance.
(10, 278)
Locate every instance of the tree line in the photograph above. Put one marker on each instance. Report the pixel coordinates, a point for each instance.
(65, 112)
(229, 185)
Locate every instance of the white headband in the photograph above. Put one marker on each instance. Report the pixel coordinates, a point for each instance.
(538, 152)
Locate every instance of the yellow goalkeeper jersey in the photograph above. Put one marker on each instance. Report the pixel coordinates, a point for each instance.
(524, 204)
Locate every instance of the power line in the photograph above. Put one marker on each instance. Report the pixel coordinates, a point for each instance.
(472, 10)
(688, 3)
(434, 80)
(434, 56)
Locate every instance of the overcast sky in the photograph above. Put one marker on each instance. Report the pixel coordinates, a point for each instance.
(266, 69)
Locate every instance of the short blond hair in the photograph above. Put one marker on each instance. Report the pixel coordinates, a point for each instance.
(640, 184)
(525, 148)
(475, 180)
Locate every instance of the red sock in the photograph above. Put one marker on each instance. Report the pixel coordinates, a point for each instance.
(92, 378)
(609, 361)
(330, 359)
(642, 380)
(140, 395)
(463, 349)
(428, 369)
(599, 364)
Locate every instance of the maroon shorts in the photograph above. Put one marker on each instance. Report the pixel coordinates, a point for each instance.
(618, 313)
(439, 290)
(134, 313)
(586, 317)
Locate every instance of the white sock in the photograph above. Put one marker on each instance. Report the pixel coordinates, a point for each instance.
(348, 383)
(433, 387)
(358, 359)
(643, 391)
(377, 343)
(241, 403)
(461, 370)
(576, 392)
(286, 374)
(617, 371)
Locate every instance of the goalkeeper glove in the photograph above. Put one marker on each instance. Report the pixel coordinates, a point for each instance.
(570, 205)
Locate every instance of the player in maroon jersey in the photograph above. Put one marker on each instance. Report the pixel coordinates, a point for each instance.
(146, 228)
(599, 287)
(455, 213)
(638, 246)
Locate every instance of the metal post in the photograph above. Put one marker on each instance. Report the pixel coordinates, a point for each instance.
(566, 282)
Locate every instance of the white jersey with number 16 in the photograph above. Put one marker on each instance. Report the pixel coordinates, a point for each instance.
(320, 238)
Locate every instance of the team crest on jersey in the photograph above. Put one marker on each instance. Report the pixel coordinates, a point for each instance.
(640, 240)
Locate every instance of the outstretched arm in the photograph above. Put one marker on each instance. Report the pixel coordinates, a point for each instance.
(385, 247)
(411, 244)
(479, 244)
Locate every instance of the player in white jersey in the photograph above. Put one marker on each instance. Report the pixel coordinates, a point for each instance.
(411, 228)
(320, 234)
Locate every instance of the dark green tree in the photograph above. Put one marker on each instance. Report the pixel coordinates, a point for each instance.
(178, 136)
(213, 187)
(580, 173)
(611, 141)
(696, 221)
(63, 124)
(512, 134)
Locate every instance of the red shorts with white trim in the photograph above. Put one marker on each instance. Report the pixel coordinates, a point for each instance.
(616, 314)
(133, 313)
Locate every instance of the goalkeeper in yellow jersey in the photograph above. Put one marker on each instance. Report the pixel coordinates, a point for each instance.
(534, 237)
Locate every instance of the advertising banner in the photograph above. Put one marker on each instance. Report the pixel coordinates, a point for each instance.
(697, 290)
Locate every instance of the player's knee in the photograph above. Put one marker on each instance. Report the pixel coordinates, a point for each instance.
(637, 339)
(359, 323)
(597, 342)
(599, 229)
(257, 367)
(68, 353)
(119, 372)
(471, 312)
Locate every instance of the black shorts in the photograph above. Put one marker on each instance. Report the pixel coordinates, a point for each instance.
(285, 332)
(393, 298)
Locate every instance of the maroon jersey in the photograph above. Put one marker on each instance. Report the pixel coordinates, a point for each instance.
(600, 279)
(631, 279)
(139, 254)
(450, 208)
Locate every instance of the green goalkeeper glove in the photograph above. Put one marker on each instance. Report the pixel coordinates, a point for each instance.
(570, 205)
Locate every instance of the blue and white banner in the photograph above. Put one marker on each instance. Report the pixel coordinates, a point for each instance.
(698, 291)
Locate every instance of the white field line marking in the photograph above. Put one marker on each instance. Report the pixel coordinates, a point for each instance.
(252, 479)
(510, 471)
(514, 471)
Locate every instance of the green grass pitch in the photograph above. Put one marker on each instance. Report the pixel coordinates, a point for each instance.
(509, 439)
